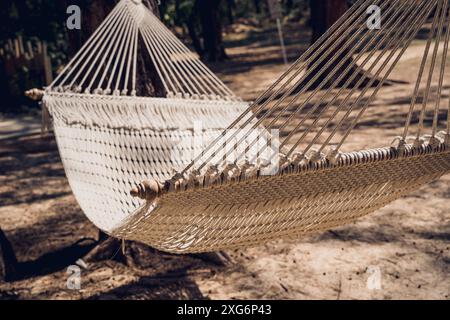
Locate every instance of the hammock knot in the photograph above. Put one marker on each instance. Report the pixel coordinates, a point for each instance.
(434, 142)
(401, 146)
(177, 182)
(231, 172)
(334, 155)
(248, 171)
(418, 143)
(447, 139)
(315, 156)
(284, 163)
(297, 160)
(147, 190)
(211, 175)
(195, 179)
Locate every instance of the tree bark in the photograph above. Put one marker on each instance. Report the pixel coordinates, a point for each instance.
(289, 5)
(93, 14)
(231, 6)
(8, 260)
(324, 13)
(209, 13)
(191, 25)
(257, 5)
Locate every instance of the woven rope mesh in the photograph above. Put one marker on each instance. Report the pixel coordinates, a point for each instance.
(253, 212)
(110, 139)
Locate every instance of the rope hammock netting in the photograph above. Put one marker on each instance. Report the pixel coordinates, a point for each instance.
(110, 135)
(251, 185)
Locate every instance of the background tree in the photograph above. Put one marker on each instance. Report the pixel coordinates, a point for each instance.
(324, 13)
(211, 24)
(93, 14)
(231, 6)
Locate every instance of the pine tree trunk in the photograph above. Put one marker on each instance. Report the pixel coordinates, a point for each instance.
(8, 260)
(324, 13)
(231, 6)
(93, 14)
(257, 5)
(209, 12)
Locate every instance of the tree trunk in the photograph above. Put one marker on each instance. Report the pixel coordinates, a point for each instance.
(231, 5)
(209, 12)
(257, 6)
(324, 13)
(289, 5)
(93, 14)
(191, 25)
(8, 260)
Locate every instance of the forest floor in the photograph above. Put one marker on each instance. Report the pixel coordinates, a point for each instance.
(399, 252)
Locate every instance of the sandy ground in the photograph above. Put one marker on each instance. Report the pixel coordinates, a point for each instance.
(401, 251)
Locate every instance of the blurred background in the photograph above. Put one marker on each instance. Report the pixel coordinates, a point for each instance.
(35, 42)
(408, 242)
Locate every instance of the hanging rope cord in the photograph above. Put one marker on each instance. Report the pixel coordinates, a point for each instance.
(185, 64)
(329, 50)
(417, 23)
(445, 14)
(343, 23)
(435, 33)
(330, 75)
(417, 15)
(103, 53)
(108, 60)
(398, 18)
(441, 11)
(419, 78)
(94, 41)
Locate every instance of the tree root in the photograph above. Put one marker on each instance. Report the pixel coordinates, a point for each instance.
(130, 253)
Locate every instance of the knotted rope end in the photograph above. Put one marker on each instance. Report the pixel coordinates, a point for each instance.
(147, 190)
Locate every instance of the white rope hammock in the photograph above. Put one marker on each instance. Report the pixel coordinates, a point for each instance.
(248, 185)
(226, 199)
(111, 133)
(108, 63)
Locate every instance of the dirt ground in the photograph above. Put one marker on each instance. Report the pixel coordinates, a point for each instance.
(399, 252)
